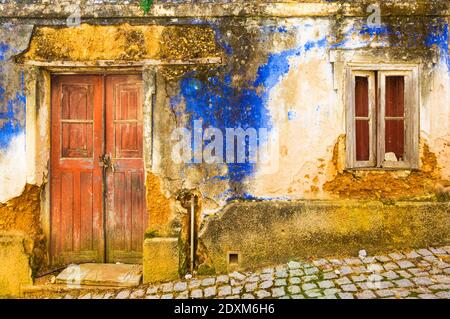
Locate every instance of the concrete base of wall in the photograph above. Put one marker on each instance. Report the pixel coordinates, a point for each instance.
(15, 270)
(160, 259)
(267, 232)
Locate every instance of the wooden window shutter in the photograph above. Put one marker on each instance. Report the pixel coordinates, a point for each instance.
(398, 120)
(361, 120)
(394, 128)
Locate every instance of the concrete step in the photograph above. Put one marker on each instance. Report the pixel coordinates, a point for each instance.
(109, 275)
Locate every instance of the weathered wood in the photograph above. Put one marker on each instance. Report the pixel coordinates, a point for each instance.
(80, 138)
(76, 213)
(408, 104)
(352, 117)
(126, 216)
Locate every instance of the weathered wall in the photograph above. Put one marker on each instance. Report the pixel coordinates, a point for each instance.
(14, 38)
(276, 73)
(122, 42)
(267, 233)
(22, 214)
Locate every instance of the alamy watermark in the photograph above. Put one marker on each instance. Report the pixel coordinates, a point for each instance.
(374, 19)
(212, 145)
(74, 19)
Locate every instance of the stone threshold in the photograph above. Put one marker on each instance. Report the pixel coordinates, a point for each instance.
(93, 274)
(89, 277)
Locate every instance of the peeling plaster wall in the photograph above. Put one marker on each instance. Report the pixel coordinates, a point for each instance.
(276, 73)
(311, 114)
(13, 39)
(284, 80)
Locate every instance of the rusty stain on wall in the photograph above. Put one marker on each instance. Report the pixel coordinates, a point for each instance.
(158, 205)
(22, 214)
(386, 184)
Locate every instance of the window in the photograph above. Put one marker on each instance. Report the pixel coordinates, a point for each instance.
(382, 117)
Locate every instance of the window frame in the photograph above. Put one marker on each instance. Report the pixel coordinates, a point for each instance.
(377, 108)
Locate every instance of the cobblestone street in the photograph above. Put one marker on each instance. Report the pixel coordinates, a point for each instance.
(422, 273)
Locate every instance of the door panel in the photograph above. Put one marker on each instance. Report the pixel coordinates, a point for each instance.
(125, 200)
(76, 177)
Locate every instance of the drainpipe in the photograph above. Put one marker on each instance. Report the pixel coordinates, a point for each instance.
(187, 199)
(192, 222)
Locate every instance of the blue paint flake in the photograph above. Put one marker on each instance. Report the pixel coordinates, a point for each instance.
(3, 49)
(2, 93)
(438, 36)
(292, 115)
(274, 29)
(278, 64)
(11, 127)
(374, 30)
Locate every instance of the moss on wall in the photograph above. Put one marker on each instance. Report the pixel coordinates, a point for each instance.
(121, 42)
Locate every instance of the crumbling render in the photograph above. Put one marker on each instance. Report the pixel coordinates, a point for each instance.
(122, 42)
(22, 214)
(424, 183)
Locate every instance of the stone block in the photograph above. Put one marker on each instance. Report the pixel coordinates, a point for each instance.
(160, 259)
(15, 270)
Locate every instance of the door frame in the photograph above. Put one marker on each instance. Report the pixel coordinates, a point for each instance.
(38, 126)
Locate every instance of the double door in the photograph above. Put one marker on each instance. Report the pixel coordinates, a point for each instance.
(98, 211)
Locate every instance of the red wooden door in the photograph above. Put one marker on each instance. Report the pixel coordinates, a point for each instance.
(94, 118)
(76, 178)
(125, 206)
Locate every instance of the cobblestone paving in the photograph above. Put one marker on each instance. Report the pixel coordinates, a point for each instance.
(422, 273)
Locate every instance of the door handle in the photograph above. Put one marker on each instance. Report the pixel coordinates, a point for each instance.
(106, 162)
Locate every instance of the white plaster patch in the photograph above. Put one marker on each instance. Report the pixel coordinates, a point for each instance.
(435, 118)
(311, 30)
(306, 141)
(13, 169)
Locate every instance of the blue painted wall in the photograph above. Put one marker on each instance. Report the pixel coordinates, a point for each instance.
(219, 103)
(12, 98)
